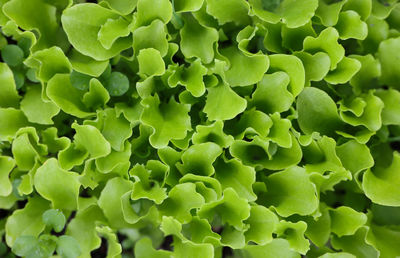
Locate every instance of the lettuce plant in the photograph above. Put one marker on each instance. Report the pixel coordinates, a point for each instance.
(200, 128)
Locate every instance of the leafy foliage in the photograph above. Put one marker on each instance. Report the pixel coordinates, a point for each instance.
(199, 128)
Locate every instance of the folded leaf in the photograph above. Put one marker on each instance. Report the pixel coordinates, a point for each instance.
(326, 42)
(381, 184)
(36, 109)
(291, 192)
(57, 185)
(197, 40)
(223, 103)
(272, 94)
(313, 102)
(8, 93)
(245, 69)
(168, 120)
(83, 33)
(387, 54)
(263, 223)
(350, 25)
(198, 159)
(26, 221)
(181, 200)
(6, 165)
(232, 209)
(346, 221)
(151, 36)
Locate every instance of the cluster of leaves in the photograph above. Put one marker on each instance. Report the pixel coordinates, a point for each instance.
(200, 128)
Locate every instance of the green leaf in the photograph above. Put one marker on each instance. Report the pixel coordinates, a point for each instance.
(291, 192)
(338, 255)
(200, 231)
(366, 77)
(15, 120)
(390, 111)
(319, 228)
(276, 248)
(209, 187)
(66, 97)
(293, 67)
(181, 200)
(123, 6)
(83, 228)
(116, 161)
(364, 110)
(68, 247)
(223, 103)
(89, 137)
(57, 185)
(26, 221)
(347, 151)
(6, 165)
(79, 80)
(294, 234)
(384, 239)
(313, 102)
(363, 8)
(97, 96)
(25, 245)
(49, 62)
(355, 244)
(187, 6)
(212, 133)
(193, 250)
(117, 84)
(272, 94)
(83, 33)
(114, 190)
(36, 109)
(197, 40)
(8, 92)
(144, 248)
(350, 25)
(232, 209)
(316, 66)
(150, 10)
(168, 120)
(389, 51)
(292, 38)
(55, 219)
(296, 14)
(252, 122)
(115, 129)
(26, 148)
(231, 173)
(198, 159)
(263, 223)
(29, 18)
(265, 10)
(150, 62)
(344, 71)
(327, 41)
(12, 55)
(151, 36)
(328, 12)
(346, 221)
(87, 65)
(112, 30)
(263, 153)
(191, 78)
(381, 185)
(245, 69)
(234, 11)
